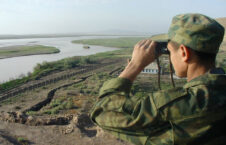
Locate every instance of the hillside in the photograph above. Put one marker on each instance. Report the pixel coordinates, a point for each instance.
(53, 108)
(222, 21)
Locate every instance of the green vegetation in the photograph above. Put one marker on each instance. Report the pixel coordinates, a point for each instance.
(127, 43)
(22, 141)
(13, 83)
(123, 42)
(14, 51)
(66, 101)
(31, 113)
(60, 103)
(126, 52)
(159, 37)
(11, 100)
(47, 68)
(56, 105)
(93, 85)
(68, 63)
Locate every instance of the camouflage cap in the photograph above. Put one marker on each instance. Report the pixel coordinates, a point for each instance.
(196, 31)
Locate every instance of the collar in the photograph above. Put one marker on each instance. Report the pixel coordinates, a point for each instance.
(215, 76)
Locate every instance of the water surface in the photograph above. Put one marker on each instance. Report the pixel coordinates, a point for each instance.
(11, 68)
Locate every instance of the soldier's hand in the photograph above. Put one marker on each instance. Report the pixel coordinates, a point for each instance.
(143, 53)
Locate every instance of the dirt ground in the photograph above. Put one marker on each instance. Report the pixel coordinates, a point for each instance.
(71, 134)
(55, 135)
(62, 116)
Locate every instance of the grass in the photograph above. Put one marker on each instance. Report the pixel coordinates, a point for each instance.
(31, 113)
(58, 104)
(14, 51)
(127, 43)
(22, 141)
(126, 52)
(13, 83)
(92, 85)
(123, 42)
(10, 100)
(47, 68)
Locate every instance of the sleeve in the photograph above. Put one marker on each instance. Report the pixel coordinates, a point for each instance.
(122, 113)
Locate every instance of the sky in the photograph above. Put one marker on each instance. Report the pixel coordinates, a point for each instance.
(98, 16)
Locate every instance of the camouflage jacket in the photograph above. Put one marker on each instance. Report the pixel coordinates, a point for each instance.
(192, 114)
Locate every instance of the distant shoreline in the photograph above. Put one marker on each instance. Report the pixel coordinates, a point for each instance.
(24, 50)
(3, 37)
(24, 55)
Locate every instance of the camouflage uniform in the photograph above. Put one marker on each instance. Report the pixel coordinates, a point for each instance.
(192, 114)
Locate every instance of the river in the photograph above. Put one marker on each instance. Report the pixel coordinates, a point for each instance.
(11, 68)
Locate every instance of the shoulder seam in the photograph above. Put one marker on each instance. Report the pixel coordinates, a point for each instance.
(162, 99)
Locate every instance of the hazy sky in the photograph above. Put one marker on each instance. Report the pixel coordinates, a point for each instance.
(75, 16)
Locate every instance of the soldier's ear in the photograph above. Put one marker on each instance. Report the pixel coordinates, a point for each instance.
(185, 53)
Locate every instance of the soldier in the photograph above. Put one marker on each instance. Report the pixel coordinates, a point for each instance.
(192, 114)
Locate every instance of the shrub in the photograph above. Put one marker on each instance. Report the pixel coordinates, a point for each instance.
(22, 141)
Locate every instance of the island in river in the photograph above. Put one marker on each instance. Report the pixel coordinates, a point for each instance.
(24, 50)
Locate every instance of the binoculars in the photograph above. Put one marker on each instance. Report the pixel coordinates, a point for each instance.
(161, 48)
